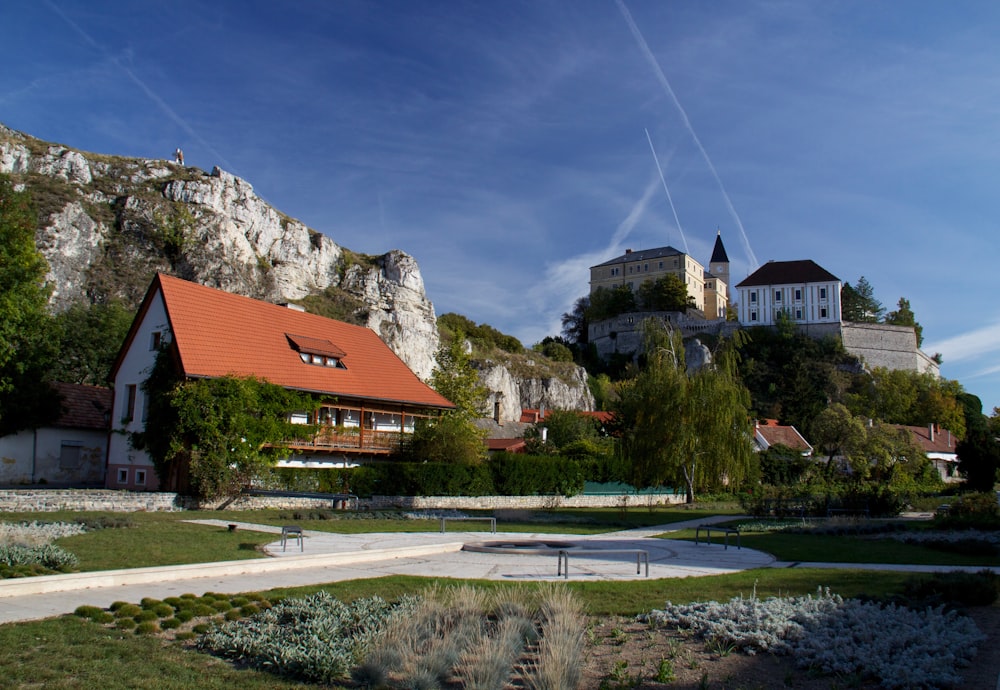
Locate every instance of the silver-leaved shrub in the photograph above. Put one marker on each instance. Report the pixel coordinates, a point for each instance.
(317, 637)
(897, 647)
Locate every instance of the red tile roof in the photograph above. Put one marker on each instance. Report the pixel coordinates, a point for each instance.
(940, 441)
(84, 407)
(218, 333)
(775, 434)
(533, 415)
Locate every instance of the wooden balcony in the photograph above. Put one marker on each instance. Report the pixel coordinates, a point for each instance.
(352, 440)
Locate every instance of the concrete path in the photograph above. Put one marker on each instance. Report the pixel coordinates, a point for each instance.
(327, 557)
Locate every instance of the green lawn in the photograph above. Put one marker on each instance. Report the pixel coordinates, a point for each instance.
(164, 538)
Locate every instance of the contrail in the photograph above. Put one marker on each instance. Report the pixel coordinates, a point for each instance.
(669, 198)
(648, 54)
(177, 119)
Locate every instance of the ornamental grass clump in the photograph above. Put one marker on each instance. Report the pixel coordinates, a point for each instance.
(37, 533)
(317, 637)
(894, 646)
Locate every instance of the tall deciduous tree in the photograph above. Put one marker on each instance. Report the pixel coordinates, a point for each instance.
(453, 436)
(836, 432)
(26, 347)
(668, 293)
(682, 429)
(89, 339)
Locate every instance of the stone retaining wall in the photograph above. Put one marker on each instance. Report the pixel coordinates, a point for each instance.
(41, 500)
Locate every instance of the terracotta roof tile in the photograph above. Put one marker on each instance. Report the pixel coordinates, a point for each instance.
(776, 434)
(84, 407)
(941, 441)
(218, 333)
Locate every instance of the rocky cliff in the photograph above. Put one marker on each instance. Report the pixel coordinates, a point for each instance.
(108, 223)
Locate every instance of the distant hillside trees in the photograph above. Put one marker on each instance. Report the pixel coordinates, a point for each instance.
(90, 337)
(482, 335)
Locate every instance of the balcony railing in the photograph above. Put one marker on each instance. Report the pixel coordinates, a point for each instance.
(353, 439)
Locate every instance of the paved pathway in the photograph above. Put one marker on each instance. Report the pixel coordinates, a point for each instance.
(328, 557)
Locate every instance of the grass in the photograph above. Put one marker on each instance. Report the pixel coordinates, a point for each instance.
(816, 548)
(164, 538)
(70, 652)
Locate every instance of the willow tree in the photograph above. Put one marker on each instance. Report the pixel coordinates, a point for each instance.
(685, 428)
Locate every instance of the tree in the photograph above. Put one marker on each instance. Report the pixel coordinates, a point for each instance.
(26, 346)
(679, 428)
(453, 436)
(222, 432)
(903, 316)
(668, 293)
(858, 304)
(89, 339)
(606, 303)
(979, 451)
(909, 397)
(836, 431)
(574, 322)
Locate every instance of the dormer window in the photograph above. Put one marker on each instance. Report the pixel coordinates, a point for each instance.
(317, 351)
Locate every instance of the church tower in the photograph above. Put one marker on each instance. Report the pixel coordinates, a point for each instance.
(718, 265)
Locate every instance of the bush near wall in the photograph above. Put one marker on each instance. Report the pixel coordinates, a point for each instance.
(504, 474)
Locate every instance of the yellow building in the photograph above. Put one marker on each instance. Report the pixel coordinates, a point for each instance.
(708, 289)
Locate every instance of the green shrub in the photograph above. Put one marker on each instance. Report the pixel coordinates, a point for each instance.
(128, 611)
(118, 604)
(149, 603)
(46, 555)
(146, 616)
(93, 613)
(202, 610)
(201, 628)
(163, 610)
(249, 610)
(233, 615)
(125, 623)
(147, 628)
(176, 602)
(185, 615)
(188, 635)
(221, 605)
(239, 601)
(170, 623)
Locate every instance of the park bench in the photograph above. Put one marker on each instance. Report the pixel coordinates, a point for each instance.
(491, 520)
(563, 556)
(708, 529)
(289, 532)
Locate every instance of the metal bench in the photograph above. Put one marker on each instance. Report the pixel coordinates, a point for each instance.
(717, 528)
(492, 521)
(640, 556)
(292, 532)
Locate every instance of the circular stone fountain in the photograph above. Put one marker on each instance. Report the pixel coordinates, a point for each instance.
(535, 546)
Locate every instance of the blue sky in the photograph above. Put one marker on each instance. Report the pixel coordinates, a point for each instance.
(509, 145)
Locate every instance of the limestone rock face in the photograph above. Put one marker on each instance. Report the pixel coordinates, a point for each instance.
(107, 224)
(514, 393)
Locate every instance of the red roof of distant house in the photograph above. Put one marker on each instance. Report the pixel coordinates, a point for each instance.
(84, 407)
(775, 434)
(511, 445)
(938, 441)
(534, 416)
(217, 334)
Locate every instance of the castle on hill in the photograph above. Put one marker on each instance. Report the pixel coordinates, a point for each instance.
(801, 291)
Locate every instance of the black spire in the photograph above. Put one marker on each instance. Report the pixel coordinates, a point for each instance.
(719, 255)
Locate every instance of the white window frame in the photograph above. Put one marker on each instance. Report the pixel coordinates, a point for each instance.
(123, 475)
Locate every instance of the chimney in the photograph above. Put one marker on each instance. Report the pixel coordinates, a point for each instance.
(930, 432)
(628, 251)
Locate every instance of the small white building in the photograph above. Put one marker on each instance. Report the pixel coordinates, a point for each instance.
(802, 290)
(69, 452)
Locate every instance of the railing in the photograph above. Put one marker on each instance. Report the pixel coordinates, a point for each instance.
(353, 439)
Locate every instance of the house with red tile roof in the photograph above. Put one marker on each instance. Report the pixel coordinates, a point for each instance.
(767, 433)
(70, 451)
(370, 398)
(940, 445)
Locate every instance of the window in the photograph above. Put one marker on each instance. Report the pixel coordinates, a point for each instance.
(140, 477)
(798, 314)
(69, 455)
(753, 314)
(822, 312)
(128, 404)
(753, 298)
(822, 293)
(798, 294)
(777, 295)
(145, 407)
(661, 266)
(645, 267)
(299, 418)
(155, 340)
(123, 476)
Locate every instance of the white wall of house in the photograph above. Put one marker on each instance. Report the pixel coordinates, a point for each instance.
(53, 455)
(804, 303)
(129, 468)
